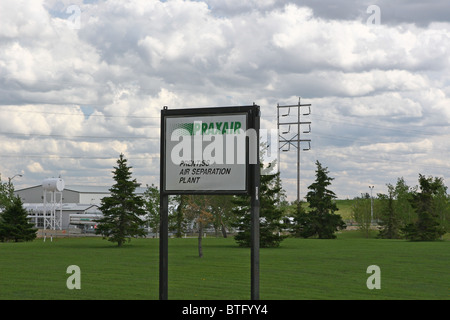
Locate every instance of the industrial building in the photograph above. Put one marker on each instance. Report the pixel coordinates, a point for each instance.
(70, 194)
(52, 205)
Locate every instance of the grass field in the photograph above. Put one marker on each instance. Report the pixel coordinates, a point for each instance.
(344, 208)
(299, 269)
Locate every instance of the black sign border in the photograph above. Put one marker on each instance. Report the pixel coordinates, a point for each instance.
(249, 111)
(253, 190)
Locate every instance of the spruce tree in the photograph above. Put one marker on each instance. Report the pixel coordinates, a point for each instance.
(14, 224)
(320, 221)
(298, 216)
(123, 209)
(270, 214)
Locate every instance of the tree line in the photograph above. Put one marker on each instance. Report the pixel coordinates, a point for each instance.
(418, 213)
(279, 219)
(127, 214)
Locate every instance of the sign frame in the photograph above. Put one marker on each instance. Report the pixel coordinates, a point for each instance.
(252, 187)
(248, 111)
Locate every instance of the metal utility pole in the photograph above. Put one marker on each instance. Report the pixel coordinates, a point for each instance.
(294, 140)
(371, 204)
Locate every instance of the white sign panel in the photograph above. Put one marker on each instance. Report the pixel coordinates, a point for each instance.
(206, 153)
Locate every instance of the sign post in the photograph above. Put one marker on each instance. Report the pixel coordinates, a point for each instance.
(255, 206)
(209, 151)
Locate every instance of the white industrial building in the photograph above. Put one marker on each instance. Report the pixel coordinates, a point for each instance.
(70, 194)
(52, 205)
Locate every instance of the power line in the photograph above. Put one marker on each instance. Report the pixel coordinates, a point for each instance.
(83, 114)
(75, 136)
(50, 156)
(329, 119)
(364, 124)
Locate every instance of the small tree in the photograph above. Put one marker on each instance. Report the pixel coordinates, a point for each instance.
(395, 210)
(5, 194)
(389, 224)
(402, 205)
(298, 215)
(123, 209)
(221, 208)
(361, 214)
(177, 220)
(442, 207)
(14, 224)
(198, 208)
(321, 221)
(151, 203)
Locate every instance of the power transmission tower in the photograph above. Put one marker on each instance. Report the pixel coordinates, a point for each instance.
(288, 138)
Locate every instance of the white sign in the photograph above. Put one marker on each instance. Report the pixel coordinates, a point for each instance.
(206, 153)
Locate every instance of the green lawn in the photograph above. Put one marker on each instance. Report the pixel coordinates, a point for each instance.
(299, 269)
(344, 206)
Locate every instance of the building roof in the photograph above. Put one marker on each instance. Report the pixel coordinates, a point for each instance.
(39, 207)
(87, 189)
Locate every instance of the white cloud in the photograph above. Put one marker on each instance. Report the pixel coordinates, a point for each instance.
(85, 95)
(403, 148)
(35, 167)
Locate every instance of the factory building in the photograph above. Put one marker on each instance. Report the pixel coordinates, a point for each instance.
(73, 206)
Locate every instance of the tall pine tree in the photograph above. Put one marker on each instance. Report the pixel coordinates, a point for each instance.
(123, 209)
(321, 221)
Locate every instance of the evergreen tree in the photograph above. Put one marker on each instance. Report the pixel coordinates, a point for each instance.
(320, 221)
(270, 214)
(390, 218)
(389, 224)
(14, 224)
(427, 227)
(123, 209)
(298, 215)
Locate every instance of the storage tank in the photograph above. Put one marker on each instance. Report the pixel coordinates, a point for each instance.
(53, 184)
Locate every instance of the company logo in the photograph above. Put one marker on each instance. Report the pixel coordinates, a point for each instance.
(205, 128)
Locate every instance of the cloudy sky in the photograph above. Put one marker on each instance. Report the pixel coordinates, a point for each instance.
(83, 81)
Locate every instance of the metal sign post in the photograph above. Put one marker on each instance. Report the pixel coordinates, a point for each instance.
(255, 207)
(209, 151)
